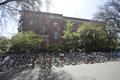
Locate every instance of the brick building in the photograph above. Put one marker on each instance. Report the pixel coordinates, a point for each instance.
(49, 26)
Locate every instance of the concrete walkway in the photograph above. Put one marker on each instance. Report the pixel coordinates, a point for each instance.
(100, 71)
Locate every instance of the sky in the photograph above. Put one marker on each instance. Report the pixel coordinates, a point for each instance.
(76, 8)
(72, 8)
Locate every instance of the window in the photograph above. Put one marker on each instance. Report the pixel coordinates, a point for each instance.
(55, 24)
(44, 29)
(31, 22)
(65, 27)
(56, 35)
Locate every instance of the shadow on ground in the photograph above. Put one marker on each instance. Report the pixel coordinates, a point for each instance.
(38, 74)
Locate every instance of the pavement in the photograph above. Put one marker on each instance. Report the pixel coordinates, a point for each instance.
(98, 71)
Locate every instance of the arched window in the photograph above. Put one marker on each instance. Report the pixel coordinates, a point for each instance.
(56, 33)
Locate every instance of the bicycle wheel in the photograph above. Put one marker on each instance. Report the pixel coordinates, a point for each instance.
(3, 68)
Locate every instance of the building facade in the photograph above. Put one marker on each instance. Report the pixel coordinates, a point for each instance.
(49, 26)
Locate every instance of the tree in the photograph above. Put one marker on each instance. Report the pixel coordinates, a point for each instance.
(10, 9)
(25, 42)
(118, 44)
(55, 49)
(92, 37)
(69, 36)
(110, 14)
(4, 44)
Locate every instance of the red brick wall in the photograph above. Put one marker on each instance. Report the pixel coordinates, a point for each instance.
(35, 20)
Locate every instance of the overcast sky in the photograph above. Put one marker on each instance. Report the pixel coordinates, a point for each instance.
(77, 8)
(72, 8)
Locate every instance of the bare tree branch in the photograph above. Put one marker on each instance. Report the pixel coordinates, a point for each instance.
(110, 14)
(9, 9)
(5, 2)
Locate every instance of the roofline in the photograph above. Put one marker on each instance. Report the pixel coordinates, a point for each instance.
(65, 17)
(41, 12)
